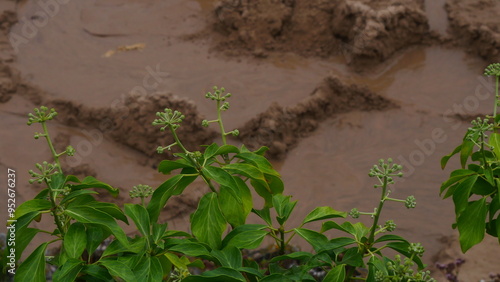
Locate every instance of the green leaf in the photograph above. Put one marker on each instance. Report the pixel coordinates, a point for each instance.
(259, 161)
(276, 277)
(445, 159)
(248, 236)
(138, 245)
(337, 274)
(495, 142)
(340, 242)
(264, 192)
(148, 270)
(219, 175)
(293, 256)
(221, 274)
(264, 214)
(465, 152)
(76, 194)
(23, 239)
(167, 166)
(181, 262)
(402, 248)
(246, 170)
(275, 183)
(283, 206)
(390, 237)
(33, 267)
(140, 217)
(68, 271)
(215, 150)
(25, 220)
(353, 257)
(234, 209)
(158, 231)
(191, 249)
(95, 235)
(33, 206)
(462, 194)
(171, 187)
(471, 224)
(86, 214)
(321, 213)
(208, 222)
(109, 208)
(91, 182)
(230, 257)
(118, 269)
(96, 272)
(456, 176)
(317, 240)
(75, 240)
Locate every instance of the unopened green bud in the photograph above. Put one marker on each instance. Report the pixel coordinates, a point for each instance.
(354, 213)
(416, 248)
(70, 151)
(204, 123)
(390, 225)
(410, 202)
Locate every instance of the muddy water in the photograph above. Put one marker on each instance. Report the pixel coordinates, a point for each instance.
(65, 58)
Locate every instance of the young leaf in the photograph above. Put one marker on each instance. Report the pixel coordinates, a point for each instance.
(465, 152)
(140, 217)
(76, 194)
(246, 170)
(337, 274)
(495, 142)
(208, 222)
(471, 224)
(33, 267)
(353, 257)
(264, 214)
(215, 150)
(158, 231)
(259, 161)
(75, 240)
(91, 182)
(321, 213)
(283, 206)
(242, 240)
(445, 159)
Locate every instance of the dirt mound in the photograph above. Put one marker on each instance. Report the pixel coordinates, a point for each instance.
(280, 128)
(130, 123)
(361, 30)
(476, 25)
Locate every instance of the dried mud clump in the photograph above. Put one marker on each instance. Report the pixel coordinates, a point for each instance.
(476, 25)
(280, 128)
(130, 121)
(361, 30)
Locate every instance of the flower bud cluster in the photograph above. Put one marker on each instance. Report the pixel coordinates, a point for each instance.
(390, 225)
(141, 191)
(387, 170)
(218, 95)
(46, 169)
(492, 70)
(410, 202)
(417, 249)
(168, 118)
(41, 115)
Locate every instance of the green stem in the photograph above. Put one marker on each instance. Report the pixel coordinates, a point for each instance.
(51, 146)
(282, 240)
(221, 125)
(496, 97)
(379, 209)
(176, 138)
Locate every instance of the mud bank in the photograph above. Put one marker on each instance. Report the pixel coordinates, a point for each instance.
(281, 128)
(475, 26)
(360, 30)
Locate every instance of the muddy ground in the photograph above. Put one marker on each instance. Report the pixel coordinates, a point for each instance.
(329, 86)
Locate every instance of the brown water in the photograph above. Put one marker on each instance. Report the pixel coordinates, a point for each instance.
(328, 168)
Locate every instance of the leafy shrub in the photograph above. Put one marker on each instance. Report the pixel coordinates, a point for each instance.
(219, 232)
(475, 187)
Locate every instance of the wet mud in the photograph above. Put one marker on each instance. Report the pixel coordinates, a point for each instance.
(363, 31)
(474, 25)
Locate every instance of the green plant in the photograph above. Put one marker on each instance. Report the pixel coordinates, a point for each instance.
(475, 187)
(219, 231)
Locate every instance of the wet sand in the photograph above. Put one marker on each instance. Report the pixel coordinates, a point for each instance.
(434, 87)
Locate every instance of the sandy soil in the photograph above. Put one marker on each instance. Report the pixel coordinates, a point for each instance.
(298, 93)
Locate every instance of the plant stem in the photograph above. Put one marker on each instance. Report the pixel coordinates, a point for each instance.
(176, 138)
(379, 209)
(496, 97)
(221, 125)
(51, 146)
(282, 241)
